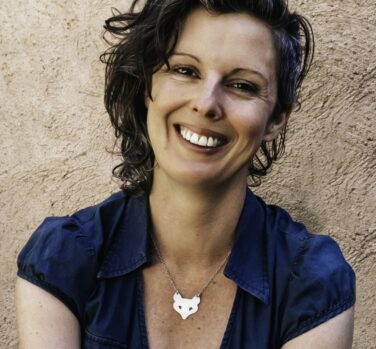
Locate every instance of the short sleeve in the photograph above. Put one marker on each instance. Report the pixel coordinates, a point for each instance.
(321, 286)
(60, 259)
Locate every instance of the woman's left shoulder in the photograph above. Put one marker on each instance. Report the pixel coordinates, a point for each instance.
(318, 281)
(314, 252)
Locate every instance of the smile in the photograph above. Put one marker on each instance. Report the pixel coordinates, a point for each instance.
(201, 140)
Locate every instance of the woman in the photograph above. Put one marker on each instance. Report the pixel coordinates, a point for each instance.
(199, 93)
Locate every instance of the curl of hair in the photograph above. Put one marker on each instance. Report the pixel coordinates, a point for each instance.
(141, 42)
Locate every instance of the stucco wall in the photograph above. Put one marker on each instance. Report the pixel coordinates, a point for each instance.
(54, 131)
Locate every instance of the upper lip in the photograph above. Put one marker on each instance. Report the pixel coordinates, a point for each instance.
(203, 131)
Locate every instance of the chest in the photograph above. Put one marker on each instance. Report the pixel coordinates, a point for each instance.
(203, 329)
(135, 311)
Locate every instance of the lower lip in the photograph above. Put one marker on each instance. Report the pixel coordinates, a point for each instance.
(197, 148)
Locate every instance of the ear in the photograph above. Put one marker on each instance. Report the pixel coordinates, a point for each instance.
(274, 127)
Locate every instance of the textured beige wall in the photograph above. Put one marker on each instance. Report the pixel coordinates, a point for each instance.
(54, 131)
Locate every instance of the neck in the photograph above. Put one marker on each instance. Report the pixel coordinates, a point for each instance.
(194, 227)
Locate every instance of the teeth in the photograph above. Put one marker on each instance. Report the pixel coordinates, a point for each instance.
(195, 138)
(203, 141)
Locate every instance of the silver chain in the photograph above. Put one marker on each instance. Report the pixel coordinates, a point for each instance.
(168, 273)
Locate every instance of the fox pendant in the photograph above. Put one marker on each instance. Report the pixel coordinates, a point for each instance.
(185, 306)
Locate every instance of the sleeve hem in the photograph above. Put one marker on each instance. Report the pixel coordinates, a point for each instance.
(320, 318)
(52, 290)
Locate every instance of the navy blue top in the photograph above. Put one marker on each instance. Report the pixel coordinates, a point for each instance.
(289, 280)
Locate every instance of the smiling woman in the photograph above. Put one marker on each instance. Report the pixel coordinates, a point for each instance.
(186, 256)
(218, 84)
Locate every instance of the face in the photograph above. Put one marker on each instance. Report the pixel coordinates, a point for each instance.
(211, 110)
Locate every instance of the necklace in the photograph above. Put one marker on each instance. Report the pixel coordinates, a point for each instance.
(185, 306)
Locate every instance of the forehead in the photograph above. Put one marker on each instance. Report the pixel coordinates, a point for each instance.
(233, 39)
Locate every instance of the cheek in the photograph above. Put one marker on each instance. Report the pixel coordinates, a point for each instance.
(251, 124)
(152, 123)
(164, 102)
(158, 123)
(168, 93)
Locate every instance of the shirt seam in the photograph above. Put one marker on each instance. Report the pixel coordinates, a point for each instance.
(141, 311)
(104, 340)
(67, 301)
(296, 262)
(320, 318)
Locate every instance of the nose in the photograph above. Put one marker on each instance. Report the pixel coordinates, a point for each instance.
(207, 101)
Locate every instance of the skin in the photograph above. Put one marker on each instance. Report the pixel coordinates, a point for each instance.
(43, 321)
(222, 81)
(205, 92)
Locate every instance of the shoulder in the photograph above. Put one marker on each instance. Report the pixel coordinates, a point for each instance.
(313, 281)
(85, 229)
(63, 254)
(306, 253)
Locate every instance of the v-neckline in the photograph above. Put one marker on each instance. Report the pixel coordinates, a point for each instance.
(142, 319)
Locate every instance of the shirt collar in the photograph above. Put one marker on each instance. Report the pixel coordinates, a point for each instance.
(128, 248)
(247, 265)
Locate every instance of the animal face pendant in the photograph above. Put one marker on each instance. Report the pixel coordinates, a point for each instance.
(185, 306)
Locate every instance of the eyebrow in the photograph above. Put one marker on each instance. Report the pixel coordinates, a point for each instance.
(186, 54)
(247, 70)
(234, 71)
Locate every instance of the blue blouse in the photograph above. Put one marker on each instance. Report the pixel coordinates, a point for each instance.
(289, 280)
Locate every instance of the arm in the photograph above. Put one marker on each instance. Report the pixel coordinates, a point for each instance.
(43, 321)
(334, 333)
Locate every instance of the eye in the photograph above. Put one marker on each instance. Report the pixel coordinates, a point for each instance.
(245, 87)
(184, 70)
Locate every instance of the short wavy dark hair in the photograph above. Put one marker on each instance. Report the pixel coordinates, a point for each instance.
(141, 42)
